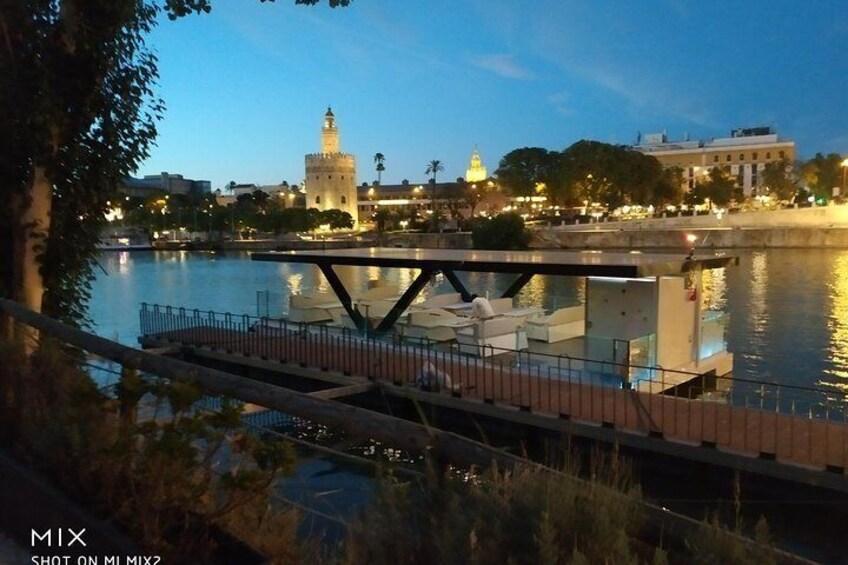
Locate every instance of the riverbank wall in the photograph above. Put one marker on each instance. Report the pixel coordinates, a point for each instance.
(820, 227)
(609, 237)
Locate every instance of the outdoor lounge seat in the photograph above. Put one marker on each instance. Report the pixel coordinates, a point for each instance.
(313, 307)
(490, 337)
(434, 324)
(500, 307)
(373, 311)
(563, 324)
(439, 301)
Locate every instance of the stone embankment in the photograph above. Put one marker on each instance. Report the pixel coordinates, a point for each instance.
(796, 228)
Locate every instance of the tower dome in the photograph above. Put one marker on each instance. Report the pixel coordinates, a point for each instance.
(477, 171)
(329, 133)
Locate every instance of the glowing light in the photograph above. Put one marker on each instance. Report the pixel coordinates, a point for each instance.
(691, 238)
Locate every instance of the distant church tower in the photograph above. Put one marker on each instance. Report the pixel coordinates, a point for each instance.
(331, 175)
(476, 172)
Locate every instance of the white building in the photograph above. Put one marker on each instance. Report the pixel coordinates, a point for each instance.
(745, 154)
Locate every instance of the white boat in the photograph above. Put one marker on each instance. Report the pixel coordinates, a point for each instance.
(125, 242)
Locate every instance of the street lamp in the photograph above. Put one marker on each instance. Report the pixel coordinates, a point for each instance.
(844, 169)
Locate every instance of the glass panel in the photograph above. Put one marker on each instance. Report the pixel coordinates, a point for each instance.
(713, 333)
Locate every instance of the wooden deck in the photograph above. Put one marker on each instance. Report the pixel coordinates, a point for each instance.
(808, 443)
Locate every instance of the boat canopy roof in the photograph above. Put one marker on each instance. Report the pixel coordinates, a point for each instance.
(538, 262)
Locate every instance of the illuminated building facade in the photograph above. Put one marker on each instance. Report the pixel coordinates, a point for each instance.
(477, 171)
(744, 154)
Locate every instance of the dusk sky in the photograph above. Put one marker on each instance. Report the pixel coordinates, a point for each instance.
(246, 86)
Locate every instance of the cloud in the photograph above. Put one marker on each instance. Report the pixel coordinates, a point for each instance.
(561, 101)
(502, 65)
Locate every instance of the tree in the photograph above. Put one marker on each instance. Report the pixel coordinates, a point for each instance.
(668, 188)
(337, 219)
(379, 158)
(457, 197)
(381, 217)
(77, 114)
(433, 167)
(822, 173)
(505, 231)
(520, 170)
(719, 187)
(612, 175)
(777, 178)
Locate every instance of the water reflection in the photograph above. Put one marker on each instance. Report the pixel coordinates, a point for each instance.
(759, 287)
(837, 322)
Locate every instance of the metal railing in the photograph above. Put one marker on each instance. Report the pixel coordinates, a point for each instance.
(774, 421)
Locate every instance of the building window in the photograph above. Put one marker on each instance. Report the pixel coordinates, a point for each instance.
(317, 200)
(316, 177)
(768, 154)
(715, 158)
(728, 158)
(780, 154)
(329, 176)
(344, 199)
(741, 156)
(754, 156)
(342, 177)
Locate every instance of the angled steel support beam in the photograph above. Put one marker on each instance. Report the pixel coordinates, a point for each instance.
(405, 300)
(516, 287)
(457, 285)
(342, 294)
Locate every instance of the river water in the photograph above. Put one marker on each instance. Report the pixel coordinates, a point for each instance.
(788, 307)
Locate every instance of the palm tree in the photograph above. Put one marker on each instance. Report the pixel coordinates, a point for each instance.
(434, 167)
(379, 158)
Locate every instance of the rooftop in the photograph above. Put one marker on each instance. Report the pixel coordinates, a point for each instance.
(563, 263)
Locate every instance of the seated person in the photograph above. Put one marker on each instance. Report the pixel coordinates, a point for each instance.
(481, 308)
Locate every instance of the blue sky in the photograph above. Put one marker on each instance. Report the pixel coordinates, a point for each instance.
(246, 86)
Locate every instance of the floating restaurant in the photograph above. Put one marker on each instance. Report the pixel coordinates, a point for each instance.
(642, 311)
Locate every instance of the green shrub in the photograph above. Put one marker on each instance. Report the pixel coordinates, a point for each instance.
(504, 231)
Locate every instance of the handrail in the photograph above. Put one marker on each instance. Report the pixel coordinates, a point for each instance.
(554, 359)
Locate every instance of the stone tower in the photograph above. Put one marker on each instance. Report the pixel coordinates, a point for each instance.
(331, 175)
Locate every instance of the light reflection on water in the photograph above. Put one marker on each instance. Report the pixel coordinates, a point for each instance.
(789, 308)
(837, 323)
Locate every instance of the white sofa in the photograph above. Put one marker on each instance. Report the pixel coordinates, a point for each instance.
(434, 324)
(491, 337)
(563, 324)
(312, 307)
(439, 301)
